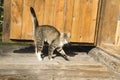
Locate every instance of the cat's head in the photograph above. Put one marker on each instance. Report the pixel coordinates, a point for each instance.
(65, 37)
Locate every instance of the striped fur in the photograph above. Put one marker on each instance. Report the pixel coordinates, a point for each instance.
(49, 34)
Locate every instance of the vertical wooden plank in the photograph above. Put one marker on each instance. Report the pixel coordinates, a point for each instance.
(39, 7)
(95, 10)
(109, 30)
(16, 19)
(117, 39)
(89, 12)
(84, 21)
(75, 16)
(69, 15)
(6, 24)
(27, 27)
(76, 21)
(97, 30)
(108, 21)
(49, 12)
(59, 14)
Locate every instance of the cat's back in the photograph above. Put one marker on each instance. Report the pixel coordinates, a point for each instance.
(48, 31)
(49, 28)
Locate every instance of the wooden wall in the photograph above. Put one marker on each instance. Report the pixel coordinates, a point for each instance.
(117, 39)
(109, 28)
(75, 16)
(108, 42)
(6, 24)
(108, 22)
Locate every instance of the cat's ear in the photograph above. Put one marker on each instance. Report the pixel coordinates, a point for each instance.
(66, 35)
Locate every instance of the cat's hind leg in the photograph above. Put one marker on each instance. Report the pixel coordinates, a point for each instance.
(51, 49)
(61, 51)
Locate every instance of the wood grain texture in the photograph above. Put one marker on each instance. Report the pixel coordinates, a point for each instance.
(39, 7)
(94, 16)
(6, 24)
(69, 16)
(108, 37)
(112, 49)
(76, 21)
(59, 14)
(27, 25)
(117, 39)
(106, 58)
(25, 66)
(108, 21)
(75, 16)
(16, 19)
(84, 20)
(89, 13)
(49, 12)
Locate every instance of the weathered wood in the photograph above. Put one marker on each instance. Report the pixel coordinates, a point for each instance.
(6, 24)
(106, 58)
(117, 39)
(49, 12)
(84, 21)
(108, 36)
(69, 15)
(27, 24)
(89, 12)
(78, 19)
(59, 14)
(52, 77)
(16, 19)
(98, 29)
(108, 21)
(114, 50)
(25, 66)
(39, 6)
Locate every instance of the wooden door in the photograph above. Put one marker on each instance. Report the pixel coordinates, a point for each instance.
(75, 16)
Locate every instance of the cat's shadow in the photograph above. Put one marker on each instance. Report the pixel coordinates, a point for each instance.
(24, 50)
(69, 50)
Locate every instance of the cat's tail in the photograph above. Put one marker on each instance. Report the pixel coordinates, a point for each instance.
(35, 21)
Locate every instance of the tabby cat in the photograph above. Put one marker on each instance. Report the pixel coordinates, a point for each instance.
(49, 34)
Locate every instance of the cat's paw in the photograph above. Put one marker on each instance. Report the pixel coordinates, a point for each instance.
(51, 59)
(39, 56)
(66, 57)
(39, 59)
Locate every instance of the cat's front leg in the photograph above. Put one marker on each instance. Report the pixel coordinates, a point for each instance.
(38, 52)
